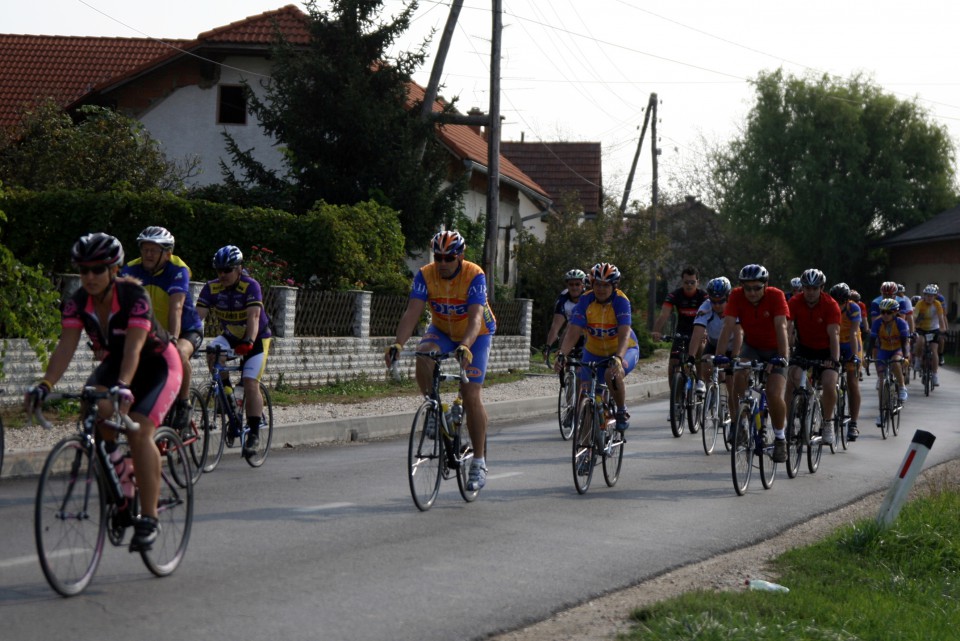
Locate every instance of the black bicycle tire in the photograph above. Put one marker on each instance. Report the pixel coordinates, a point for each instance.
(568, 375)
(48, 495)
(166, 553)
(418, 459)
(266, 423)
(794, 434)
(219, 421)
(839, 416)
(895, 416)
(613, 457)
(464, 456)
(694, 408)
(583, 455)
(885, 393)
(199, 447)
(676, 404)
(711, 418)
(768, 467)
(815, 445)
(741, 451)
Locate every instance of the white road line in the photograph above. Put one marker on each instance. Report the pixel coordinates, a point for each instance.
(32, 558)
(321, 508)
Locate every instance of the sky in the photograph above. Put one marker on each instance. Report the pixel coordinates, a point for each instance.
(584, 70)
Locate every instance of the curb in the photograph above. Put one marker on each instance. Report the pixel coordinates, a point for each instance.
(361, 428)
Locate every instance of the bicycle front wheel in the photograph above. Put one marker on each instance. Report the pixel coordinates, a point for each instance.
(259, 455)
(768, 467)
(694, 404)
(613, 457)
(711, 418)
(839, 420)
(196, 436)
(814, 425)
(886, 407)
(741, 452)
(567, 404)
(678, 396)
(795, 435)
(894, 415)
(463, 456)
(584, 454)
(174, 507)
(70, 517)
(218, 419)
(424, 456)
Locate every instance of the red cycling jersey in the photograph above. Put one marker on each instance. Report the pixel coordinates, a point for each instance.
(757, 320)
(811, 322)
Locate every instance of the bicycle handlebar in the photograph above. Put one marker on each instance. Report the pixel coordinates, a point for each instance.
(90, 395)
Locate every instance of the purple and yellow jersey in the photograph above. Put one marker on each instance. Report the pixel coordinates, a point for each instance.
(230, 305)
(450, 299)
(889, 336)
(600, 322)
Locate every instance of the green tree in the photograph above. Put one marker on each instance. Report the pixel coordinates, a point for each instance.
(824, 167)
(28, 305)
(339, 107)
(95, 149)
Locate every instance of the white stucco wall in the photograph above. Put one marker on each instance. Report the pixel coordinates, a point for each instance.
(185, 122)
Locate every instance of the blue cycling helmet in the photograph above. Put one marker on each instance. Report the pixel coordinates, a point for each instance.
(719, 287)
(228, 256)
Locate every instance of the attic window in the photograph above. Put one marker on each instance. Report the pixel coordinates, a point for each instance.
(232, 108)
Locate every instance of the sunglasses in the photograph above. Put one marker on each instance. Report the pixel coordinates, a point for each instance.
(448, 258)
(886, 311)
(752, 288)
(96, 270)
(717, 301)
(225, 270)
(689, 282)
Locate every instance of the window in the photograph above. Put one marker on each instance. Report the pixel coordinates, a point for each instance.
(232, 108)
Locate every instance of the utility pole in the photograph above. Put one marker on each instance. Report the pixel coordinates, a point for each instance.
(654, 152)
(433, 86)
(651, 107)
(493, 154)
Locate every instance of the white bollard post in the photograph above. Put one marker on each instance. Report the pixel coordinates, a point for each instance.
(906, 476)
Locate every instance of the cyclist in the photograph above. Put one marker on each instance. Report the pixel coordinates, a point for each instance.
(603, 317)
(140, 362)
(890, 289)
(576, 283)
(762, 314)
(930, 319)
(816, 318)
(890, 335)
(167, 280)
(851, 350)
(796, 287)
(708, 324)
(686, 299)
(461, 321)
(237, 303)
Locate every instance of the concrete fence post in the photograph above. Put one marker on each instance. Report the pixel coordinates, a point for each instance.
(361, 313)
(284, 319)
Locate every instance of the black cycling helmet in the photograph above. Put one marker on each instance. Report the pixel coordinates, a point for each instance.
(157, 235)
(227, 256)
(97, 249)
(840, 292)
(753, 272)
(813, 278)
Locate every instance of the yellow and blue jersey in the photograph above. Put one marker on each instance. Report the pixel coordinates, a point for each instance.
(600, 322)
(450, 299)
(172, 278)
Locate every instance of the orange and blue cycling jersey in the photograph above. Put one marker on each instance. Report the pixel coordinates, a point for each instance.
(850, 330)
(601, 320)
(926, 316)
(450, 298)
(889, 336)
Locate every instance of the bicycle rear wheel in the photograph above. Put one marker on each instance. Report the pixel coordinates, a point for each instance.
(814, 425)
(584, 454)
(424, 457)
(567, 404)
(218, 418)
(70, 517)
(741, 452)
(266, 430)
(613, 457)
(174, 507)
(196, 436)
(795, 433)
(711, 418)
(677, 399)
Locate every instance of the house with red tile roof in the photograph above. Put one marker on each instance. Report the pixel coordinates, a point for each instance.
(187, 92)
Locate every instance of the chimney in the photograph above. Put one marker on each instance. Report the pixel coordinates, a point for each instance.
(476, 111)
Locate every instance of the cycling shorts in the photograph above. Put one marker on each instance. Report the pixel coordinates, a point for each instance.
(477, 370)
(155, 386)
(887, 355)
(629, 363)
(748, 353)
(193, 337)
(254, 363)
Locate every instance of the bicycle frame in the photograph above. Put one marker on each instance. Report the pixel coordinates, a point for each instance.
(758, 442)
(594, 401)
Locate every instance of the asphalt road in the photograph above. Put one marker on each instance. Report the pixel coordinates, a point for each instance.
(325, 543)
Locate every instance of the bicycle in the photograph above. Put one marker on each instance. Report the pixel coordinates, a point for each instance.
(684, 403)
(841, 420)
(80, 501)
(225, 409)
(926, 362)
(196, 434)
(567, 396)
(439, 446)
(805, 419)
(890, 403)
(751, 438)
(715, 416)
(594, 434)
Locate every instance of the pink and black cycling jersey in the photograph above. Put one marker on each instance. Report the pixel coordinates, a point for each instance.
(130, 307)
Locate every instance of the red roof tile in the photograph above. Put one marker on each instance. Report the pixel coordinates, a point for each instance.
(560, 168)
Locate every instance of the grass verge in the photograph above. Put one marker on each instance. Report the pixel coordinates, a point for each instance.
(862, 583)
